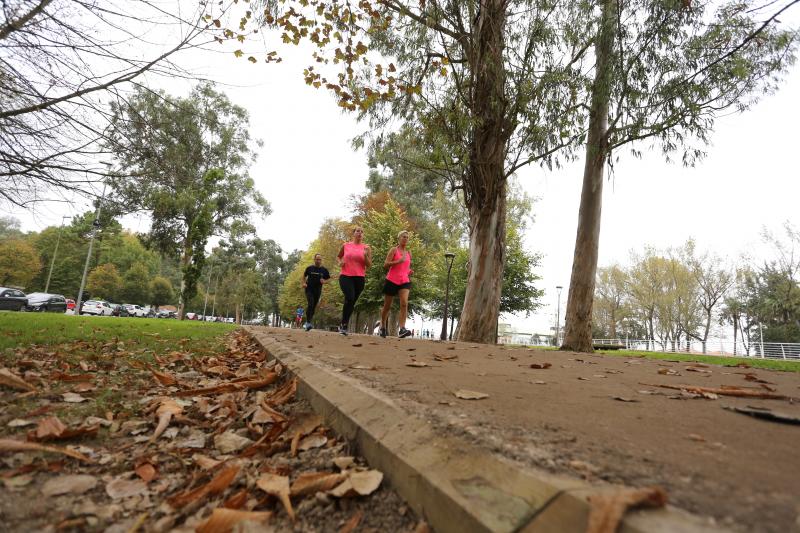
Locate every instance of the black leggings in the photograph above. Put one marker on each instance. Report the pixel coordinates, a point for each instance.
(351, 288)
(312, 297)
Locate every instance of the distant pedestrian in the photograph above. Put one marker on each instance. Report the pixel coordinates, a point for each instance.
(298, 316)
(355, 257)
(398, 283)
(314, 277)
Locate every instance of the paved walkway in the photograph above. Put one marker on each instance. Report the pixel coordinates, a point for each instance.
(600, 418)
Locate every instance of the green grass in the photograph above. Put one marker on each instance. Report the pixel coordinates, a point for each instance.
(22, 330)
(755, 362)
(106, 343)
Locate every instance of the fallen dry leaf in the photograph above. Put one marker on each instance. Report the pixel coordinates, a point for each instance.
(124, 487)
(166, 410)
(607, 509)
(312, 482)
(710, 392)
(20, 422)
(343, 463)
(541, 366)
(230, 442)
(9, 379)
(10, 445)
(71, 397)
(363, 367)
(223, 520)
(470, 395)
(417, 363)
(205, 462)
(352, 524)
(668, 372)
(146, 471)
(69, 484)
(277, 486)
(357, 345)
(312, 441)
(217, 485)
(231, 387)
(358, 484)
(164, 378)
(50, 427)
(624, 399)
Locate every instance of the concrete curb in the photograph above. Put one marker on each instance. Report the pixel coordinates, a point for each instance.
(454, 485)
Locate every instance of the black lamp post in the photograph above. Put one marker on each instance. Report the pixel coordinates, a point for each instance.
(448, 257)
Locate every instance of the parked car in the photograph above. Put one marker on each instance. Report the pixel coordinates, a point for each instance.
(149, 312)
(119, 310)
(13, 299)
(164, 313)
(43, 301)
(96, 307)
(135, 310)
(191, 316)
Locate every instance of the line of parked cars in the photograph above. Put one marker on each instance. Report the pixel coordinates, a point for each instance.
(16, 300)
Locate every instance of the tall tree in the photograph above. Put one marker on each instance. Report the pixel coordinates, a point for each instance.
(185, 161)
(663, 71)
(161, 292)
(713, 279)
(487, 84)
(104, 282)
(136, 285)
(610, 296)
(62, 61)
(19, 263)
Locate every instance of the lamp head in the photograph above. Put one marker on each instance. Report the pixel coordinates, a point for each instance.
(449, 255)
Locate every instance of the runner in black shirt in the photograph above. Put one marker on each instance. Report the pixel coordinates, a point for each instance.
(313, 278)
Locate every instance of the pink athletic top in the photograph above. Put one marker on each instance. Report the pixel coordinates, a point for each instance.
(399, 273)
(353, 260)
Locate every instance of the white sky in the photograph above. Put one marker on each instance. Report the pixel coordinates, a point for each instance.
(308, 171)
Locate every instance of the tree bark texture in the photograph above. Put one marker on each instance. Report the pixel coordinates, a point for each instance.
(578, 317)
(185, 260)
(484, 184)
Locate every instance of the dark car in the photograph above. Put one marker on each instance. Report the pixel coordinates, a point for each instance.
(43, 301)
(119, 310)
(12, 299)
(165, 313)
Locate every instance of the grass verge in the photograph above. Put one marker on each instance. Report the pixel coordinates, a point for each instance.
(755, 362)
(18, 330)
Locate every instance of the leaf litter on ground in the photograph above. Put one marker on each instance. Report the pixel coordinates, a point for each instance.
(175, 440)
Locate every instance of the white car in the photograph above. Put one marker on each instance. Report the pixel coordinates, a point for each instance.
(136, 310)
(96, 307)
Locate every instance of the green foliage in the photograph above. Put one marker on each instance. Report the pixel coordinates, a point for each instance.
(329, 240)
(161, 292)
(19, 263)
(135, 285)
(185, 161)
(104, 282)
(380, 232)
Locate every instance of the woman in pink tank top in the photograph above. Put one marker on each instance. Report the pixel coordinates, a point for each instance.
(398, 283)
(355, 257)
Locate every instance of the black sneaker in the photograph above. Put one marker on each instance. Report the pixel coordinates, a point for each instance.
(383, 332)
(342, 331)
(403, 333)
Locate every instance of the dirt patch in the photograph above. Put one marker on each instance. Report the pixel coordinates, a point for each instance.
(184, 439)
(602, 418)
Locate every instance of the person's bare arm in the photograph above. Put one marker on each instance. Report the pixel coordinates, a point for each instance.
(340, 256)
(388, 262)
(368, 256)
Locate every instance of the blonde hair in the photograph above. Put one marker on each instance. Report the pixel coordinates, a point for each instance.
(404, 232)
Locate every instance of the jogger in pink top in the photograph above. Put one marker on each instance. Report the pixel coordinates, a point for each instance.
(398, 283)
(355, 258)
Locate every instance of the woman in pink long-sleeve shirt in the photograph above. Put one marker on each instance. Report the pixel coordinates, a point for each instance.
(398, 283)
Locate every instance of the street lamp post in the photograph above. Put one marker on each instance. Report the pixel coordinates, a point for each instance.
(448, 257)
(53, 260)
(95, 226)
(558, 313)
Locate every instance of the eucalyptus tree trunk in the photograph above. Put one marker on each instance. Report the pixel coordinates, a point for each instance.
(484, 184)
(578, 328)
(186, 259)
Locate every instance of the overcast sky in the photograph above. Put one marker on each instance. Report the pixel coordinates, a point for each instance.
(308, 171)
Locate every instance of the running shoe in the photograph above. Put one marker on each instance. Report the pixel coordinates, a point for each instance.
(383, 332)
(403, 333)
(342, 331)
(308, 326)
